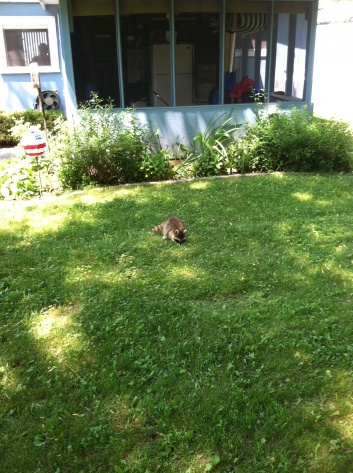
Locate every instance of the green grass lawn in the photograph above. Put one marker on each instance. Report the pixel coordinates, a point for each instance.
(124, 353)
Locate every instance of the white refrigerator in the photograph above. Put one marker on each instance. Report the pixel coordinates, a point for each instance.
(160, 74)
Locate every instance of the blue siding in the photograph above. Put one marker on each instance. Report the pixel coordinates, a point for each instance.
(26, 9)
(19, 94)
(16, 89)
(182, 124)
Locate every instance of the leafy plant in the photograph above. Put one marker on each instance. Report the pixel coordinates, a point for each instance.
(298, 141)
(238, 158)
(207, 154)
(33, 117)
(18, 179)
(103, 147)
(155, 165)
(25, 176)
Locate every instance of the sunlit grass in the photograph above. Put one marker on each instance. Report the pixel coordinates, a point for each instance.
(303, 197)
(124, 353)
(56, 332)
(49, 322)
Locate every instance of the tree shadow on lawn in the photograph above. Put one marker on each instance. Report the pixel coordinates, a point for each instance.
(133, 353)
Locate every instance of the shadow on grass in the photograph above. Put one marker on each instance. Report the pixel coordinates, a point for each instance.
(121, 352)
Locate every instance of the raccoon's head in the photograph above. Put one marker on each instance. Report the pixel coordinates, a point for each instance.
(179, 236)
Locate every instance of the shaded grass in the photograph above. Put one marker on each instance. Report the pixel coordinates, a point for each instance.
(232, 353)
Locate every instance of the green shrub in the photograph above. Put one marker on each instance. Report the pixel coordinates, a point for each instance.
(18, 179)
(209, 163)
(208, 152)
(238, 158)
(25, 176)
(155, 166)
(298, 141)
(32, 117)
(103, 147)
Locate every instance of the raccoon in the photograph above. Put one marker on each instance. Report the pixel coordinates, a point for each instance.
(173, 228)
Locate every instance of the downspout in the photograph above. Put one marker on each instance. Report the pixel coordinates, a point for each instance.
(67, 65)
(172, 53)
(269, 65)
(222, 40)
(119, 54)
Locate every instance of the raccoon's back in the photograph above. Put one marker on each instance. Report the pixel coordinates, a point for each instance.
(174, 223)
(170, 223)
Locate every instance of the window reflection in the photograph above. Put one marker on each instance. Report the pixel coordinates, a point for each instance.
(26, 46)
(280, 73)
(291, 47)
(246, 54)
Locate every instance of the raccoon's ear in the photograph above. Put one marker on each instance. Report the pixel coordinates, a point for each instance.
(176, 231)
(185, 230)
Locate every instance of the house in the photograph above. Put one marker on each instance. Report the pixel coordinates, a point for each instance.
(333, 66)
(178, 62)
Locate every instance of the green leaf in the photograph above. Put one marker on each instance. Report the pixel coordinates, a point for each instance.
(39, 441)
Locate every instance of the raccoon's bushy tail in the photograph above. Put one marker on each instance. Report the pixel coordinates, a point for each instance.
(158, 228)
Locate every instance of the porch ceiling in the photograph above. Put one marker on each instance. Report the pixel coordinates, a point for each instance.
(128, 7)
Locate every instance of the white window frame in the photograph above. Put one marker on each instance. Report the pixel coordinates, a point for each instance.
(31, 23)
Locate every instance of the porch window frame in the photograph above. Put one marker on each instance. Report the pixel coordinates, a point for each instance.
(312, 9)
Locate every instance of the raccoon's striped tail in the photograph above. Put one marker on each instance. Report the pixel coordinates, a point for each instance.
(158, 228)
